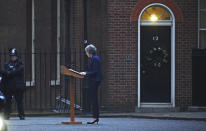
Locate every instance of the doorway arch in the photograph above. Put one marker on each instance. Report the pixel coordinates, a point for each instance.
(156, 22)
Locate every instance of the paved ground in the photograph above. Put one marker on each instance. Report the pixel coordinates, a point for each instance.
(163, 115)
(106, 124)
(166, 115)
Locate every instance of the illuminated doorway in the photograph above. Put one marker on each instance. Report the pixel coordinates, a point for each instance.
(156, 57)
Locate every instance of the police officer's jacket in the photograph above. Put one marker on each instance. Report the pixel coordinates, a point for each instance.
(13, 72)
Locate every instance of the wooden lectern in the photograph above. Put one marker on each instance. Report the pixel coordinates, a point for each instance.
(72, 74)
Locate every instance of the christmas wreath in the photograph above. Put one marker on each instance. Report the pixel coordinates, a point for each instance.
(157, 56)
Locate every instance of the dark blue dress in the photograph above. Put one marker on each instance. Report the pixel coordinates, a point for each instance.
(94, 75)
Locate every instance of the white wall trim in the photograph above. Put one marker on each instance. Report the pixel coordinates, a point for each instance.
(57, 81)
(54, 82)
(202, 29)
(32, 82)
(172, 104)
(198, 23)
(159, 23)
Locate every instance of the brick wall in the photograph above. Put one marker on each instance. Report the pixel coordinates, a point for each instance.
(43, 24)
(110, 26)
(12, 24)
(121, 49)
(186, 39)
(121, 46)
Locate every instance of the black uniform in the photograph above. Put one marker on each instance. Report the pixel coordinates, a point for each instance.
(13, 75)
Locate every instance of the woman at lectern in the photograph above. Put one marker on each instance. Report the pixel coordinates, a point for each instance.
(94, 75)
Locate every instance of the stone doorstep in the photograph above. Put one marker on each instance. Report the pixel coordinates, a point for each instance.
(196, 109)
(157, 109)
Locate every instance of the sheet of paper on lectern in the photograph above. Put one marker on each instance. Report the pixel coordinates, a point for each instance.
(74, 71)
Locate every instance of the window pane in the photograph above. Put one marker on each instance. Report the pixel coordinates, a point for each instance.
(202, 4)
(203, 39)
(155, 12)
(202, 19)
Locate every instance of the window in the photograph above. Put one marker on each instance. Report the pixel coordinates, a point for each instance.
(202, 24)
(155, 13)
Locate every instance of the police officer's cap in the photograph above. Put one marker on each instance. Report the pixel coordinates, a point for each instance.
(13, 52)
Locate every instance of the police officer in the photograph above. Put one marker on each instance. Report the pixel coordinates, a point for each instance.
(14, 86)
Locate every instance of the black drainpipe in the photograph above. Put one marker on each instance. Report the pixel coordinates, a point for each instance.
(67, 6)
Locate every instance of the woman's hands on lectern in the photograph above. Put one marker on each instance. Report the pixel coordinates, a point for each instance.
(83, 73)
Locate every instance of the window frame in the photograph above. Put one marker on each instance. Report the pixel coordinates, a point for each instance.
(199, 28)
(32, 81)
(156, 23)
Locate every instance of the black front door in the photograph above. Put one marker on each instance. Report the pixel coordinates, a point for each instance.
(155, 64)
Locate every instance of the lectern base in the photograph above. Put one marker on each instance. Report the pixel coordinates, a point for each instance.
(73, 123)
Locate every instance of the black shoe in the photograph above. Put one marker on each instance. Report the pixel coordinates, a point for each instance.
(95, 121)
(21, 117)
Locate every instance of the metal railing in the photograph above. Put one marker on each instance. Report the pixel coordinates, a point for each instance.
(46, 88)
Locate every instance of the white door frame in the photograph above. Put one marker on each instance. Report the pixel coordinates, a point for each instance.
(172, 104)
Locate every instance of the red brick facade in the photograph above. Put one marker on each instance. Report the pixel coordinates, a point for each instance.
(122, 50)
(186, 39)
(121, 55)
(113, 27)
